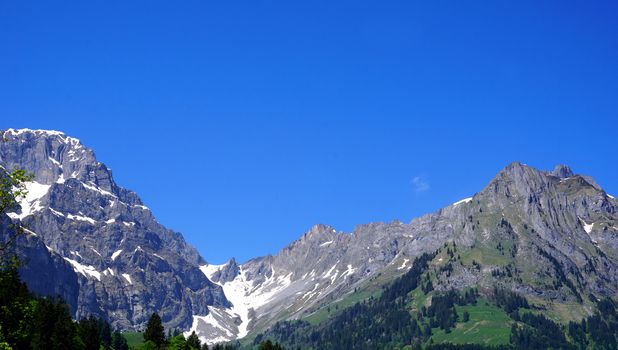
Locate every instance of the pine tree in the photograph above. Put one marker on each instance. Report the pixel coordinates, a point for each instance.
(88, 331)
(178, 343)
(105, 334)
(119, 342)
(154, 330)
(194, 342)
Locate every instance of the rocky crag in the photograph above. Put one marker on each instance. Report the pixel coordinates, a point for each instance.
(550, 236)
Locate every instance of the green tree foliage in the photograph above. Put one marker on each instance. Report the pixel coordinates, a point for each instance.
(508, 300)
(27, 322)
(119, 342)
(53, 327)
(88, 331)
(178, 343)
(17, 309)
(105, 334)
(150, 345)
(194, 342)
(268, 345)
(155, 331)
(12, 188)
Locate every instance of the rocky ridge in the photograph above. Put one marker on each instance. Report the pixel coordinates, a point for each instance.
(551, 236)
(127, 264)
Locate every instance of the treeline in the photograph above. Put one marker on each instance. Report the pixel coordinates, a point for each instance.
(29, 322)
(378, 323)
(442, 313)
(388, 322)
(155, 339)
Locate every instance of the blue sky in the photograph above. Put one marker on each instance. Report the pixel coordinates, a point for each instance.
(241, 124)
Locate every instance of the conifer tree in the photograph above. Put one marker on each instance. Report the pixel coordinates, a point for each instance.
(194, 342)
(155, 331)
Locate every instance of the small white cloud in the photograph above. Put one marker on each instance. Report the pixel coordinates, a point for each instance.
(419, 184)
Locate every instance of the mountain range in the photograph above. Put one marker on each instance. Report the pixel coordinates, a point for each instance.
(549, 236)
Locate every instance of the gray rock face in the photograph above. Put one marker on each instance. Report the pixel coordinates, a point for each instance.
(41, 267)
(549, 235)
(127, 265)
(556, 231)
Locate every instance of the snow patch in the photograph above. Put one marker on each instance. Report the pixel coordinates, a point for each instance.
(245, 295)
(403, 266)
(210, 270)
(587, 227)
(95, 188)
(115, 254)
(81, 218)
(327, 274)
(88, 271)
(29, 231)
(127, 277)
(311, 293)
(55, 161)
(211, 320)
(610, 196)
(465, 200)
(31, 203)
(55, 212)
(349, 271)
(17, 132)
(326, 243)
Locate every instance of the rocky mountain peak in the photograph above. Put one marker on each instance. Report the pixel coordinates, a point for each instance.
(562, 171)
(317, 230)
(52, 156)
(226, 273)
(126, 264)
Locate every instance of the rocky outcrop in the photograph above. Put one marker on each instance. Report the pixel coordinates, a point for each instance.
(127, 264)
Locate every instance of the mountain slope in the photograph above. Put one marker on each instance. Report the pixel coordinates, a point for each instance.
(550, 236)
(127, 265)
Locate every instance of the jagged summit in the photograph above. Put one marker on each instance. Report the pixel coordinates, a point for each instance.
(126, 265)
(563, 171)
(319, 229)
(73, 142)
(34, 131)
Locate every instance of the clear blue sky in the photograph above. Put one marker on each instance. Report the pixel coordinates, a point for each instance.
(243, 123)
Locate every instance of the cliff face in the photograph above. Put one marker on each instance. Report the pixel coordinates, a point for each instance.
(126, 265)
